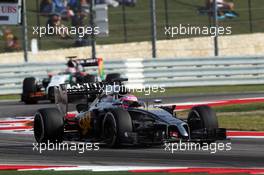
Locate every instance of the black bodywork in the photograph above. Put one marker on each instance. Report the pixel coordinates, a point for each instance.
(154, 124)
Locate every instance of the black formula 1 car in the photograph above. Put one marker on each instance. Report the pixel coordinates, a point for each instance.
(113, 121)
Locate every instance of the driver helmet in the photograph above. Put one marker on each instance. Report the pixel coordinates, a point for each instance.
(128, 100)
(72, 67)
(71, 63)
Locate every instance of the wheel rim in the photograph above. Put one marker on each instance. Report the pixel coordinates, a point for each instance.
(195, 120)
(110, 130)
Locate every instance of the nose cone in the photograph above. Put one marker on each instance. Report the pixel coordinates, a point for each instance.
(184, 130)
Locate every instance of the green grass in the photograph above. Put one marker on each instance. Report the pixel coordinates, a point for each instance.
(240, 108)
(9, 97)
(86, 173)
(245, 117)
(138, 21)
(253, 121)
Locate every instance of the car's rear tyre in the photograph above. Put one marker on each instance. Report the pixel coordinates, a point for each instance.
(51, 94)
(116, 124)
(89, 79)
(29, 87)
(45, 82)
(202, 117)
(48, 125)
(111, 77)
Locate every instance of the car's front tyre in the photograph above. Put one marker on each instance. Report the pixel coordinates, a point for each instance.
(116, 124)
(202, 118)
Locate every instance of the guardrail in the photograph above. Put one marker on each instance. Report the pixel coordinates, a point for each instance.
(171, 72)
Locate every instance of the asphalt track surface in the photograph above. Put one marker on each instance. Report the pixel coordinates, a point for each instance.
(18, 149)
(244, 153)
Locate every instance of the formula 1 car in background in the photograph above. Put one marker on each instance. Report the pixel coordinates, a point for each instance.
(118, 118)
(35, 90)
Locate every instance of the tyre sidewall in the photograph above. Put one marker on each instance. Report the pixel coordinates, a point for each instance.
(123, 124)
(207, 116)
(52, 124)
(29, 87)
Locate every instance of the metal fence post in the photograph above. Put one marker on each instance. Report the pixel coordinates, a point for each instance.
(92, 25)
(124, 20)
(25, 32)
(216, 51)
(38, 22)
(166, 15)
(250, 16)
(153, 27)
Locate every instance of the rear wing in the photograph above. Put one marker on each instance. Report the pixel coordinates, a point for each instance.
(85, 62)
(66, 93)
